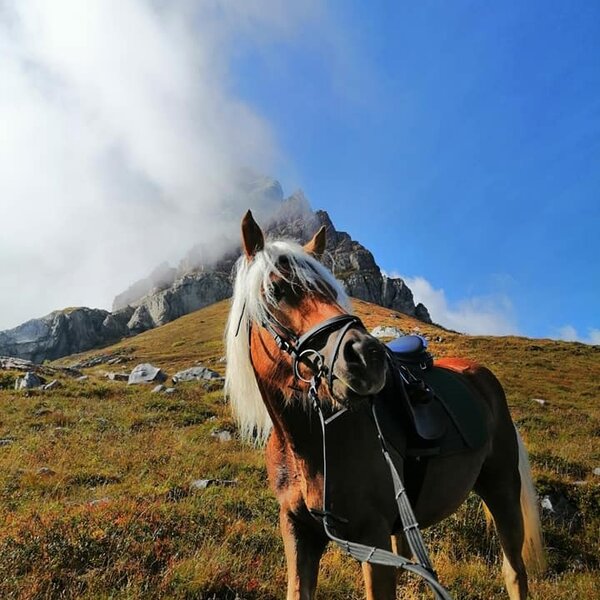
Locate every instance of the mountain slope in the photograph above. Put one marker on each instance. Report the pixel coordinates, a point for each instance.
(98, 499)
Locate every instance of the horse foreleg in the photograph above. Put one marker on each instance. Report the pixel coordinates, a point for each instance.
(303, 551)
(380, 582)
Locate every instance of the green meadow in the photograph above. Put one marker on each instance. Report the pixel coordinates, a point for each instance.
(98, 500)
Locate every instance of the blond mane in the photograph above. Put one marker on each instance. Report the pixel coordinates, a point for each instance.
(252, 296)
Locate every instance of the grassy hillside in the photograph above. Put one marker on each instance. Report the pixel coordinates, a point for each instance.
(97, 501)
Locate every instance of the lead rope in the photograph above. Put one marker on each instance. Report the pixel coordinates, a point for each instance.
(372, 554)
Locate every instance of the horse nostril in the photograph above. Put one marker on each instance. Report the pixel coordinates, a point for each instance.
(363, 352)
(352, 352)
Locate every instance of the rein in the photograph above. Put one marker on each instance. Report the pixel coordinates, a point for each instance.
(298, 348)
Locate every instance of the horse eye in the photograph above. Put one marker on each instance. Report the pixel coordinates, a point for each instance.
(278, 291)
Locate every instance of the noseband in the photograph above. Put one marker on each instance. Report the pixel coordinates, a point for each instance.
(299, 348)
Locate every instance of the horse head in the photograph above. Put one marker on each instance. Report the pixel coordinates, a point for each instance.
(294, 317)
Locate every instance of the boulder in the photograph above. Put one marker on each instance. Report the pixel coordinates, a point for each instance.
(222, 435)
(146, 373)
(29, 381)
(196, 374)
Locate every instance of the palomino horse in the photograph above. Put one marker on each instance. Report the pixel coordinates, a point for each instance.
(281, 292)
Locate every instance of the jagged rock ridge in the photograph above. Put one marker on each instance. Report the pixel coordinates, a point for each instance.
(202, 279)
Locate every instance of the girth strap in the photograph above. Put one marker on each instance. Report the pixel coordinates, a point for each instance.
(372, 554)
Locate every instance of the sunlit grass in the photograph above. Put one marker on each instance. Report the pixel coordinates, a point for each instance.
(95, 496)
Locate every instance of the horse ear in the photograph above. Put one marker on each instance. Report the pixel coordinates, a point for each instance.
(316, 246)
(253, 239)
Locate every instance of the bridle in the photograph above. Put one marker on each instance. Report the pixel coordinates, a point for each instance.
(300, 350)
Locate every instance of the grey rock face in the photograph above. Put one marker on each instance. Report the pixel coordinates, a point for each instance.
(161, 278)
(146, 373)
(58, 334)
(187, 294)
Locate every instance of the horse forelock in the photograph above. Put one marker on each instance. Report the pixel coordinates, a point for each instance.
(252, 296)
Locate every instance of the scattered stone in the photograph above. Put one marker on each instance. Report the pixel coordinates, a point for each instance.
(146, 373)
(118, 376)
(18, 364)
(40, 412)
(222, 360)
(177, 493)
(385, 331)
(439, 339)
(113, 358)
(52, 385)
(222, 435)
(29, 381)
(82, 378)
(560, 509)
(596, 471)
(118, 360)
(202, 484)
(45, 472)
(170, 390)
(195, 374)
(99, 502)
(6, 442)
(540, 401)
(157, 389)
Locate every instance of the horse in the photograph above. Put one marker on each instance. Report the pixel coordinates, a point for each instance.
(281, 292)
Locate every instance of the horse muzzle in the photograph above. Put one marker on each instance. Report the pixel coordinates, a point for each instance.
(360, 369)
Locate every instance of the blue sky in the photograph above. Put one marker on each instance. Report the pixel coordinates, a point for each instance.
(459, 141)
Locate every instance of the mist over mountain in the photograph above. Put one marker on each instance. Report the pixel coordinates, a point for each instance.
(204, 276)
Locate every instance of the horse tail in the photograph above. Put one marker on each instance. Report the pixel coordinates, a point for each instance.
(533, 545)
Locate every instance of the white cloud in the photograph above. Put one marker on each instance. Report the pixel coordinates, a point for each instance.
(477, 315)
(121, 139)
(569, 333)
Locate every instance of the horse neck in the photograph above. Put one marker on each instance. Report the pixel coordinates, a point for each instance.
(293, 423)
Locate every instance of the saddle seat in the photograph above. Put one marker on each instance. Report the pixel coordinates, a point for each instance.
(428, 410)
(411, 350)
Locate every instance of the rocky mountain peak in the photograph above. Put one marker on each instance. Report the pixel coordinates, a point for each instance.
(204, 276)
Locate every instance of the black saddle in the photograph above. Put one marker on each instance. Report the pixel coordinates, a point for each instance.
(428, 410)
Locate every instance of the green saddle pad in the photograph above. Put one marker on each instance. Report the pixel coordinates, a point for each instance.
(467, 426)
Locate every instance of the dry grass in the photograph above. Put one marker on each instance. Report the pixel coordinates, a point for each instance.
(95, 485)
